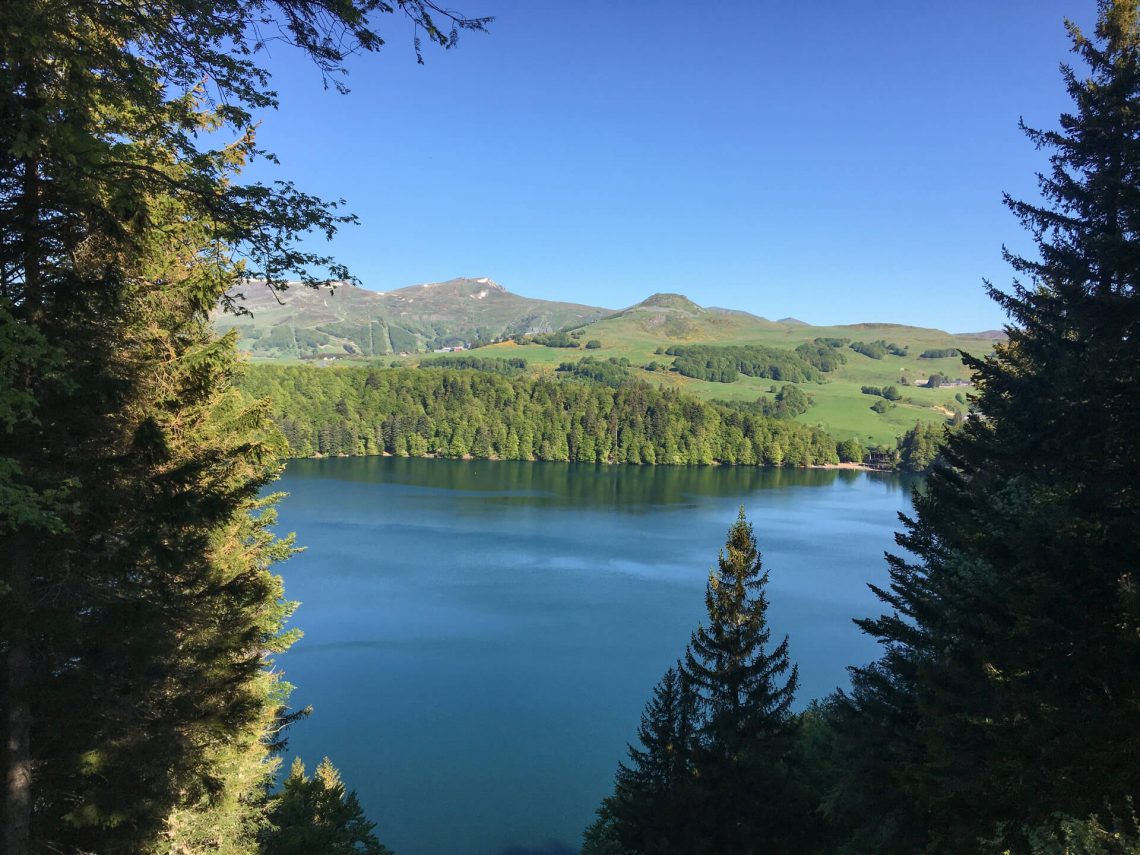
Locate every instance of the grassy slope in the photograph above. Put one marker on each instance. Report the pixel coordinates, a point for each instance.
(839, 406)
(664, 320)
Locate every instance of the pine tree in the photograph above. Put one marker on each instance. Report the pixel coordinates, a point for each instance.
(716, 771)
(651, 810)
(1013, 641)
(156, 618)
(747, 735)
(317, 815)
(137, 611)
(601, 836)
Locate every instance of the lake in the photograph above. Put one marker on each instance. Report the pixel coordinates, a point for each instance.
(481, 637)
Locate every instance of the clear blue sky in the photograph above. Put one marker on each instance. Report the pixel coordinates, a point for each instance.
(838, 162)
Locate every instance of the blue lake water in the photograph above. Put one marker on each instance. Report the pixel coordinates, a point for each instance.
(480, 637)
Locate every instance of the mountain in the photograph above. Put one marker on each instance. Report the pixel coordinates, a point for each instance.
(645, 332)
(304, 322)
(668, 301)
(674, 317)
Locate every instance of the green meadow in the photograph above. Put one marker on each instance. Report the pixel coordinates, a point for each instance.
(838, 404)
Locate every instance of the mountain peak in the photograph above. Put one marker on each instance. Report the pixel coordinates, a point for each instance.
(489, 282)
(667, 300)
(479, 288)
(305, 323)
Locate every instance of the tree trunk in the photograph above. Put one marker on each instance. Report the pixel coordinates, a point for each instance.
(18, 742)
(17, 622)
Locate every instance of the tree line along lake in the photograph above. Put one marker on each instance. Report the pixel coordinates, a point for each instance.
(481, 636)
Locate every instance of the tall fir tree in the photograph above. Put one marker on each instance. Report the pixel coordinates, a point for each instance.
(158, 613)
(746, 691)
(717, 771)
(137, 610)
(1013, 637)
(318, 814)
(652, 809)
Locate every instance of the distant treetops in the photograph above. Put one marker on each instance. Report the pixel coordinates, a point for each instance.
(467, 406)
(724, 363)
(450, 413)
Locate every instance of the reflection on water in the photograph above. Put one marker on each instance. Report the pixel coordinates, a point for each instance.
(480, 636)
(630, 489)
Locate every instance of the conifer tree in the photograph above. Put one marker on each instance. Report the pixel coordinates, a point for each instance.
(716, 772)
(1013, 641)
(137, 610)
(745, 690)
(652, 808)
(317, 815)
(155, 619)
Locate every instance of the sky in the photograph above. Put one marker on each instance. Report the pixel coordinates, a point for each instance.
(840, 161)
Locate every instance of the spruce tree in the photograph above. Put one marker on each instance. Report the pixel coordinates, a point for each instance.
(652, 808)
(317, 814)
(158, 613)
(745, 691)
(137, 610)
(1013, 636)
(716, 772)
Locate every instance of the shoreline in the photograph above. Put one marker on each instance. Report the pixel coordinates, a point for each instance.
(855, 467)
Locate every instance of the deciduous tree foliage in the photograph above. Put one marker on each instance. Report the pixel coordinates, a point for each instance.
(416, 412)
(1008, 693)
(724, 363)
(920, 446)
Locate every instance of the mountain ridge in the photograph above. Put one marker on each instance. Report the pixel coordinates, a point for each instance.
(348, 324)
(301, 322)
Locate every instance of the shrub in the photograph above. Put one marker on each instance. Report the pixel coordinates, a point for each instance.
(939, 353)
(558, 339)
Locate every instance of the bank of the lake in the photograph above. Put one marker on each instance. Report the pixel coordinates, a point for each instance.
(480, 636)
(417, 412)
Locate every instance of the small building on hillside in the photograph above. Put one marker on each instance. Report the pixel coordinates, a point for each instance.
(878, 459)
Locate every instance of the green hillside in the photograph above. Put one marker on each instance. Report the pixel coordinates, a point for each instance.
(355, 324)
(838, 404)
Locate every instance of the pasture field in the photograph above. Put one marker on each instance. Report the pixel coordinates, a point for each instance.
(838, 405)
(643, 332)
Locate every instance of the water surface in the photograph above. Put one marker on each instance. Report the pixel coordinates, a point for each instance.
(480, 637)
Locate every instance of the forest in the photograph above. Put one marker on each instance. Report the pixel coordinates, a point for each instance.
(724, 363)
(877, 349)
(141, 614)
(447, 413)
